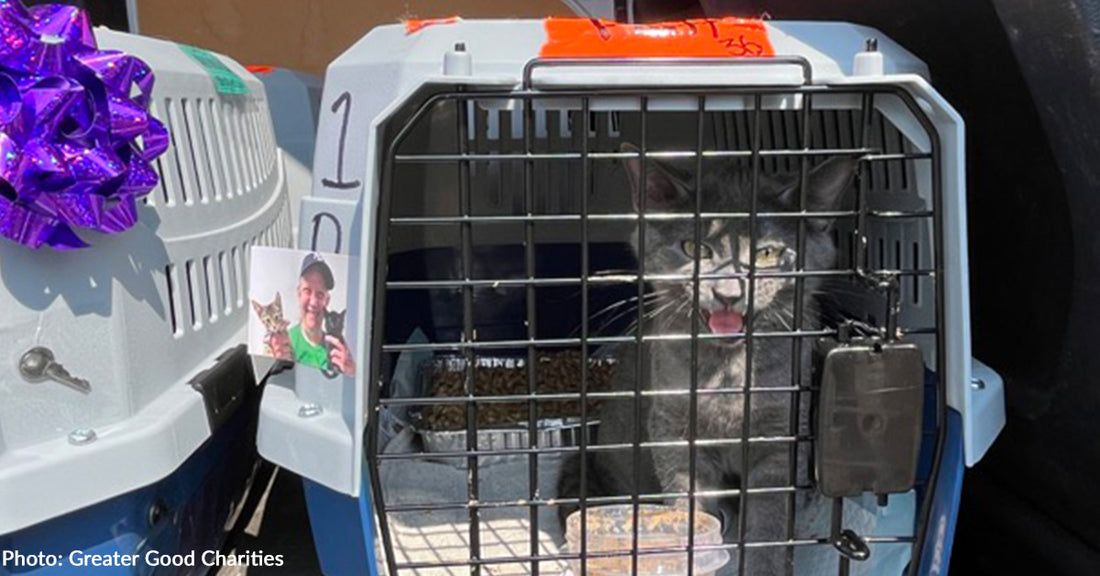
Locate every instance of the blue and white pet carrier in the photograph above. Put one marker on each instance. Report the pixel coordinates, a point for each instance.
(479, 172)
(148, 446)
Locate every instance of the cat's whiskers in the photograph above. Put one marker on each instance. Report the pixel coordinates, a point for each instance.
(631, 310)
(654, 313)
(784, 317)
(648, 299)
(625, 301)
(653, 316)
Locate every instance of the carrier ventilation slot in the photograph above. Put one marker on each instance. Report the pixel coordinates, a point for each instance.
(500, 131)
(189, 163)
(261, 146)
(250, 145)
(162, 182)
(171, 281)
(234, 119)
(239, 275)
(246, 262)
(224, 284)
(229, 147)
(209, 142)
(272, 147)
(174, 152)
(257, 150)
(208, 285)
(192, 294)
(265, 145)
(197, 150)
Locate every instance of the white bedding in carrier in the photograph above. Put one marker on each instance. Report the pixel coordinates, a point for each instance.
(375, 88)
(140, 313)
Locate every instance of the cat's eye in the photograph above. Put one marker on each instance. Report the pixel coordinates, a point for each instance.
(689, 248)
(768, 256)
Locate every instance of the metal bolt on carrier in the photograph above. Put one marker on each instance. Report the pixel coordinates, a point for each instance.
(82, 436)
(310, 410)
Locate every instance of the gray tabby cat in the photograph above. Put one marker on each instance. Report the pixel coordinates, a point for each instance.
(723, 305)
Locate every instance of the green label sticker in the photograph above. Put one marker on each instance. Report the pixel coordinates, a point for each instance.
(225, 80)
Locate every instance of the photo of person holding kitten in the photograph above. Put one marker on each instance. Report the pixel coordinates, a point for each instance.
(317, 339)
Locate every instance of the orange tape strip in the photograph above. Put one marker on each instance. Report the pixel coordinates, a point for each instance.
(259, 70)
(414, 26)
(699, 38)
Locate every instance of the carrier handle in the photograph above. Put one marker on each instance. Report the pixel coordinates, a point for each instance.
(536, 63)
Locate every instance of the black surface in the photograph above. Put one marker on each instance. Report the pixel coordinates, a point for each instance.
(225, 385)
(1037, 489)
(274, 520)
(1022, 73)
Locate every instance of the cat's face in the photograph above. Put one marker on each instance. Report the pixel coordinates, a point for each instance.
(271, 315)
(334, 322)
(726, 247)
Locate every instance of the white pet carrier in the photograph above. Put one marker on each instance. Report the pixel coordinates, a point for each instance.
(139, 317)
(475, 169)
(294, 98)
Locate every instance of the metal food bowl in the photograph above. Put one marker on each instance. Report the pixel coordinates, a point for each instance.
(505, 437)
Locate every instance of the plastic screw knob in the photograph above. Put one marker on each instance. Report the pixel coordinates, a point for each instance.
(852, 546)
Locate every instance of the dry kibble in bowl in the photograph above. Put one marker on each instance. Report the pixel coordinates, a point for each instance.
(611, 529)
(556, 372)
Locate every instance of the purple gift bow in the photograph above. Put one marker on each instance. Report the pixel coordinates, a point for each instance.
(69, 128)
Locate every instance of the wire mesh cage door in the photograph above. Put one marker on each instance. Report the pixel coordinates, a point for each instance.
(599, 298)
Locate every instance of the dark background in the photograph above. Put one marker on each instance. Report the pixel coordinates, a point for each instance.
(1023, 73)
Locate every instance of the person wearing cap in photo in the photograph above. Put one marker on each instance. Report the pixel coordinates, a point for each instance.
(306, 341)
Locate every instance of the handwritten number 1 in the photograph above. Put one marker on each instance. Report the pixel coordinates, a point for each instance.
(345, 101)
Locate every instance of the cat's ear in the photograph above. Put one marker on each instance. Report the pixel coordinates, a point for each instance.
(258, 308)
(279, 300)
(828, 183)
(665, 186)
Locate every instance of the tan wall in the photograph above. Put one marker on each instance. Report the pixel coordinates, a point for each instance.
(306, 34)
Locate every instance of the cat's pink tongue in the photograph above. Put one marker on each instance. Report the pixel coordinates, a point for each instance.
(725, 321)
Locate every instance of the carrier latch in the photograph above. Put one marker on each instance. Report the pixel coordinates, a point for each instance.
(869, 413)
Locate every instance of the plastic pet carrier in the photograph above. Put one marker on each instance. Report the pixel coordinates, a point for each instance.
(141, 440)
(294, 98)
(681, 298)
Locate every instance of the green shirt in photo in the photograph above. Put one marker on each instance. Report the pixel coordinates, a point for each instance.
(306, 352)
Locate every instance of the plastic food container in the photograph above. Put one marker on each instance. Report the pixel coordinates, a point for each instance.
(610, 529)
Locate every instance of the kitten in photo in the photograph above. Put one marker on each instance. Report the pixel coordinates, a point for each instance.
(271, 316)
(334, 326)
